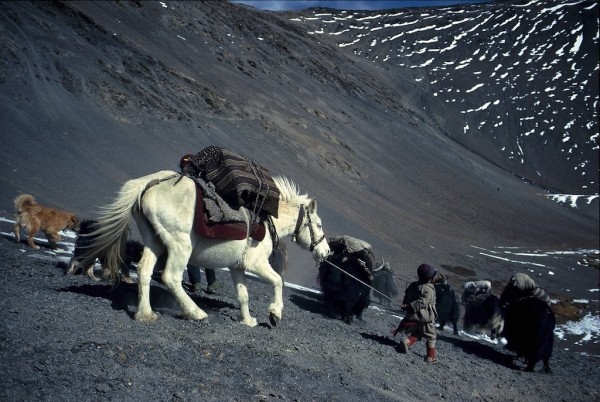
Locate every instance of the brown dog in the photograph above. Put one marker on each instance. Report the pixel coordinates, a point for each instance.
(34, 217)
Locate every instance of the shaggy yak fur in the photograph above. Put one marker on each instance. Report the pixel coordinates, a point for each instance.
(447, 306)
(528, 320)
(383, 282)
(279, 258)
(472, 289)
(520, 286)
(529, 331)
(343, 295)
(483, 313)
(34, 217)
(133, 253)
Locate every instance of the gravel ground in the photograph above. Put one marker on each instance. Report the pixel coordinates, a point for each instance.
(95, 93)
(70, 338)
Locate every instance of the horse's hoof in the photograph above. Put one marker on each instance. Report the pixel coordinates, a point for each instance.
(251, 322)
(146, 317)
(274, 320)
(197, 316)
(127, 279)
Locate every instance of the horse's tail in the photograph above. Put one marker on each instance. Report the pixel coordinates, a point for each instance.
(110, 235)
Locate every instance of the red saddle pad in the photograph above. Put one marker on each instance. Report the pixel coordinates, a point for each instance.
(226, 230)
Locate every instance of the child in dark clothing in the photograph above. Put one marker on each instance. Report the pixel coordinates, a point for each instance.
(419, 305)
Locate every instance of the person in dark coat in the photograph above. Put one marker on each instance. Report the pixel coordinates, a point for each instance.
(196, 280)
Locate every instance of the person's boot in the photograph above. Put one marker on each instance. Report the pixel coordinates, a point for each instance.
(213, 288)
(431, 355)
(195, 289)
(407, 343)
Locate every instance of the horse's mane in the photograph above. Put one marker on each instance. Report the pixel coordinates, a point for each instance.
(289, 191)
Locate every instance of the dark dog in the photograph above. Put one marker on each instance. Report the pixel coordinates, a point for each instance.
(34, 217)
(529, 330)
(447, 306)
(133, 253)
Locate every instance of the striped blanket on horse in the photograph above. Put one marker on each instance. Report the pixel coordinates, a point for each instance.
(238, 180)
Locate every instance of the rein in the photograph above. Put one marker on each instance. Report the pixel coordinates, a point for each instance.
(301, 214)
(155, 182)
(274, 238)
(354, 277)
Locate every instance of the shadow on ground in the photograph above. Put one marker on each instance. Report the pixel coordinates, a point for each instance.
(480, 350)
(125, 297)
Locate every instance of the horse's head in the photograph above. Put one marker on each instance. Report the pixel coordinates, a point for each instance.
(309, 231)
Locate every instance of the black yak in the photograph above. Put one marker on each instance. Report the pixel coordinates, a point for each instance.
(528, 320)
(483, 313)
(133, 253)
(447, 306)
(343, 294)
(529, 330)
(519, 286)
(279, 258)
(384, 284)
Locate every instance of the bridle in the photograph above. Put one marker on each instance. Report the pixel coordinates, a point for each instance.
(303, 213)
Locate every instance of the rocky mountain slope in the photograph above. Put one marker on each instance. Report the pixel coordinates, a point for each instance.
(436, 135)
(516, 80)
(400, 155)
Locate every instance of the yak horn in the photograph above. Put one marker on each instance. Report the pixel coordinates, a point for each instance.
(380, 267)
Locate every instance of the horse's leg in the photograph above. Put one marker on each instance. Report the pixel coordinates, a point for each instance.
(237, 275)
(145, 268)
(179, 250)
(126, 277)
(89, 271)
(264, 270)
(152, 249)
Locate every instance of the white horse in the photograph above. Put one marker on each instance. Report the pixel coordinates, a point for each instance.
(163, 206)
